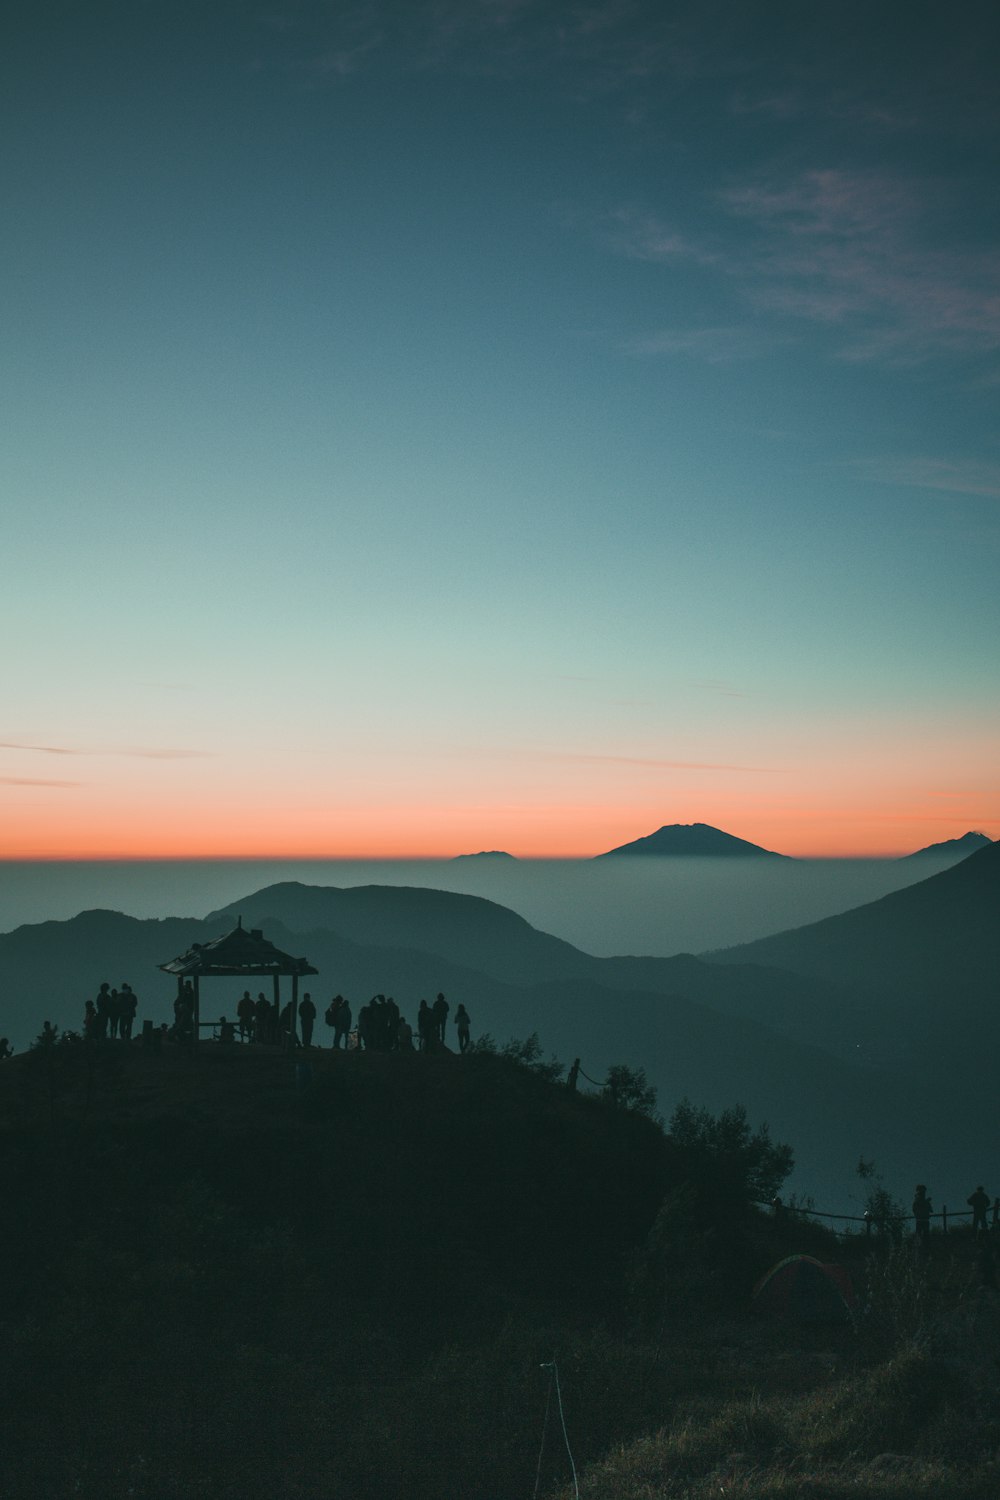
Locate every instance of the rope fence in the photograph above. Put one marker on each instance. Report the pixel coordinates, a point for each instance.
(870, 1221)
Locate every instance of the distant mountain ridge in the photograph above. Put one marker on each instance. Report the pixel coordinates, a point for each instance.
(938, 939)
(500, 854)
(691, 839)
(876, 1029)
(952, 848)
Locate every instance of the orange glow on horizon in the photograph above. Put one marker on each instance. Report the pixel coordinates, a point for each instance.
(419, 832)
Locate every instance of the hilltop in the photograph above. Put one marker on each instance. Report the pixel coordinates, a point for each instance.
(219, 1280)
(866, 1025)
(709, 1032)
(224, 1277)
(695, 839)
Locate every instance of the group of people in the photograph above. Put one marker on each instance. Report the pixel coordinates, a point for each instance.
(266, 1021)
(979, 1202)
(111, 1014)
(380, 1025)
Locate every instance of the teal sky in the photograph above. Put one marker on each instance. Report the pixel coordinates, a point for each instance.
(443, 426)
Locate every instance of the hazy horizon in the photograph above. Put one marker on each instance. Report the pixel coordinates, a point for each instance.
(646, 905)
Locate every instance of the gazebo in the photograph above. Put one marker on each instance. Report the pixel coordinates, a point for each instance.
(237, 955)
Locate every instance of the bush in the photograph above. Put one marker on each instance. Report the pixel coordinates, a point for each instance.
(741, 1165)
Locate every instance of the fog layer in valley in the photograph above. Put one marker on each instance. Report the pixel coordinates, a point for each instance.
(642, 905)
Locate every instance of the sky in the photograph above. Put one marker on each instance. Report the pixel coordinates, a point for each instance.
(497, 424)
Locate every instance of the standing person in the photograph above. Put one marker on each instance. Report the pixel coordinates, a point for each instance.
(6, 1050)
(463, 1021)
(364, 1028)
(425, 1026)
(922, 1211)
(343, 1023)
(979, 1202)
(404, 1035)
(103, 1010)
(262, 1018)
(130, 1004)
(114, 1013)
(307, 1015)
(440, 1013)
(245, 1016)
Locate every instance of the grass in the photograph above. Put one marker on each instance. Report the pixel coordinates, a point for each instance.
(352, 1287)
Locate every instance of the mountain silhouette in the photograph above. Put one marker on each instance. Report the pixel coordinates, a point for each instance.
(690, 838)
(938, 939)
(488, 854)
(834, 1032)
(952, 848)
(464, 930)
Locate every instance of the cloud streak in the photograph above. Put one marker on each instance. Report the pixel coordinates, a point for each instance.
(959, 477)
(713, 346)
(137, 753)
(36, 781)
(651, 763)
(854, 253)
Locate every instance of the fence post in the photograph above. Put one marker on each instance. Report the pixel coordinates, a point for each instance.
(944, 1218)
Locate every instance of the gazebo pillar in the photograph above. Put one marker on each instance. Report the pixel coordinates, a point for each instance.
(196, 1017)
(295, 1010)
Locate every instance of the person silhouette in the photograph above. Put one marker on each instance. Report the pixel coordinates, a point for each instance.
(114, 1013)
(128, 1002)
(6, 1050)
(343, 1022)
(463, 1022)
(922, 1210)
(246, 1016)
(439, 1011)
(979, 1202)
(307, 1016)
(102, 1011)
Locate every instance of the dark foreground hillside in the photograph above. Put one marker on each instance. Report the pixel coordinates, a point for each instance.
(223, 1279)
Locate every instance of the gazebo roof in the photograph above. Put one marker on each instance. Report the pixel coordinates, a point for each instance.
(236, 954)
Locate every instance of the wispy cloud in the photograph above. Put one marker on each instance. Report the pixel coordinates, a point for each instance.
(139, 753)
(855, 250)
(713, 346)
(854, 253)
(959, 476)
(40, 749)
(35, 781)
(652, 763)
(640, 235)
